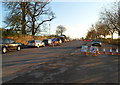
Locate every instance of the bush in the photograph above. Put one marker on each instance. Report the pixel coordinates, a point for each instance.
(111, 41)
(6, 34)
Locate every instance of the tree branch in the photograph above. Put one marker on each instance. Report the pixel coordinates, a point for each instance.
(45, 21)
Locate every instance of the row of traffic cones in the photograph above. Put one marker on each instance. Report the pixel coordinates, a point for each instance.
(111, 52)
(104, 52)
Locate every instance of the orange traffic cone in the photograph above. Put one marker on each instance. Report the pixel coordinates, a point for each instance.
(111, 53)
(104, 51)
(94, 53)
(97, 51)
(117, 51)
(85, 53)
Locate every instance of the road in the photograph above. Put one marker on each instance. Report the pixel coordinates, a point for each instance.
(60, 64)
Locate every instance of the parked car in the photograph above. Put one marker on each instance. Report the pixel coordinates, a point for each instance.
(63, 38)
(9, 44)
(48, 42)
(22, 44)
(57, 41)
(96, 43)
(35, 43)
(67, 40)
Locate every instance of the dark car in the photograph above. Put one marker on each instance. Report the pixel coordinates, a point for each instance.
(57, 41)
(9, 44)
(96, 43)
(47, 42)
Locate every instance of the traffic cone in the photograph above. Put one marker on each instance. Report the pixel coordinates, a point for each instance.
(111, 53)
(97, 51)
(94, 54)
(52, 45)
(117, 51)
(104, 51)
(85, 53)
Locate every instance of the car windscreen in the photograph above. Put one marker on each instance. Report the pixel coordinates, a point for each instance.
(45, 40)
(4, 41)
(54, 39)
(0, 41)
(32, 41)
(38, 41)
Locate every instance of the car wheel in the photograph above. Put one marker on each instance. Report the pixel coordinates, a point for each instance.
(18, 48)
(4, 50)
(38, 46)
(43, 45)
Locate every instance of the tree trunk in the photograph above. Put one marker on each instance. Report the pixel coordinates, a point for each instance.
(104, 36)
(33, 26)
(61, 33)
(23, 18)
(118, 34)
(112, 36)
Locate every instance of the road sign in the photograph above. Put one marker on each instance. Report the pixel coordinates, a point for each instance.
(93, 49)
(84, 48)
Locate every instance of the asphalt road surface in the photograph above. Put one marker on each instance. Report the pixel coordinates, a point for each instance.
(60, 64)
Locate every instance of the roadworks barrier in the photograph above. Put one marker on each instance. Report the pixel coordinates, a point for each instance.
(94, 51)
(84, 49)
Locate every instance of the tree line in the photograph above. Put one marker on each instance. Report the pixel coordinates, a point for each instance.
(108, 23)
(27, 16)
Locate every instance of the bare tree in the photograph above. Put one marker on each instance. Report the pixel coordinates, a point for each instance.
(16, 18)
(92, 33)
(108, 19)
(36, 12)
(119, 19)
(23, 6)
(111, 17)
(102, 29)
(28, 16)
(60, 29)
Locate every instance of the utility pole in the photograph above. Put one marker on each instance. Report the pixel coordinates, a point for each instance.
(49, 26)
(49, 21)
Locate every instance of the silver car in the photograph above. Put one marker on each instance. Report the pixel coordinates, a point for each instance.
(35, 43)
